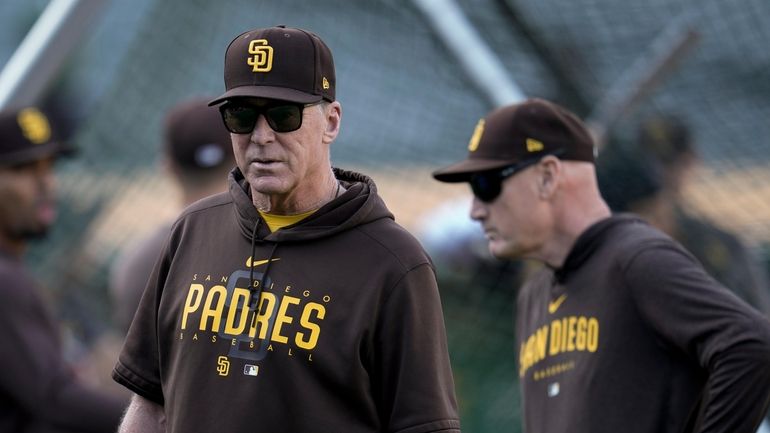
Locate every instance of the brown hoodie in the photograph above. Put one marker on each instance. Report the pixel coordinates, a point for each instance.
(631, 335)
(348, 335)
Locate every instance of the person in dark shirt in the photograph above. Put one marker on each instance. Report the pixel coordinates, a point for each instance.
(197, 156)
(647, 177)
(39, 391)
(293, 302)
(622, 330)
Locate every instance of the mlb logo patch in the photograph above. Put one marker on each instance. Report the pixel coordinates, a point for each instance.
(250, 370)
(553, 389)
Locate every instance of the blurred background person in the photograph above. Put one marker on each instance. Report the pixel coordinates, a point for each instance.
(39, 390)
(648, 177)
(197, 156)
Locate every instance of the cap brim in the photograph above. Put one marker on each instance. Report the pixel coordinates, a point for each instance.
(269, 92)
(463, 170)
(37, 152)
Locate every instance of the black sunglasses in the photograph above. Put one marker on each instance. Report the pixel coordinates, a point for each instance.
(241, 117)
(487, 185)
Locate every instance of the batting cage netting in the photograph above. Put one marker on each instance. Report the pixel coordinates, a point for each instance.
(655, 80)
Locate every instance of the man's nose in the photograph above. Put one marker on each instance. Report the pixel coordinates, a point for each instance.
(478, 209)
(44, 173)
(262, 133)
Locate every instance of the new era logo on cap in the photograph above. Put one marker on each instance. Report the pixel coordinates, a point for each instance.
(279, 62)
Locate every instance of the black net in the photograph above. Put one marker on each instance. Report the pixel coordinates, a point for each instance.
(408, 108)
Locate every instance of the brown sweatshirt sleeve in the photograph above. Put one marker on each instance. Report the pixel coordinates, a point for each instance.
(138, 366)
(725, 336)
(34, 374)
(413, 374)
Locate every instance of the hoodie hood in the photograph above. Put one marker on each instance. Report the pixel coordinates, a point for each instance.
(359, 205)
(587, 243)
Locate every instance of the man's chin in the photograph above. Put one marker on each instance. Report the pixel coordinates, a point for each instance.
(503, 252)
(267, 186)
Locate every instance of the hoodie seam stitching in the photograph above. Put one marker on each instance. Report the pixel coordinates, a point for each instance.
(405, 269)
(188, 213)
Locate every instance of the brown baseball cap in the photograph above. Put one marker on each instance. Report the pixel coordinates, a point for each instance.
(194, 136)
(28, 135)
(520, 132)
(279, 62)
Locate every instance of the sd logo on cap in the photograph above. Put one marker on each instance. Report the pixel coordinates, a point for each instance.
(283, 63)
(27, 135)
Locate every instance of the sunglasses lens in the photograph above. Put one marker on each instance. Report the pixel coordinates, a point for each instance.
(239, 119)
(284, 118)
(486, 187)
(242, 118)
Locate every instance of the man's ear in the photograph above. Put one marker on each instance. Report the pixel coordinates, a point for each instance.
(550, 170)
(333, 114)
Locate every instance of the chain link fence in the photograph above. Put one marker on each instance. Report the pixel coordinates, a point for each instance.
(407, 109)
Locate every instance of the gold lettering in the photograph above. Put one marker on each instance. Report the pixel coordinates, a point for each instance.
(282, 318)
(262, 317)
(306, 293)
(564, 334)
(240, 302)
(287, 289)
(555, 338)
(592, 337)
(528, 351)
(580, 341)
(312, 339)
(270, 348)
(568, 334)
(211, 311)
(213, 338)
(571, 334)
(541, 342)
(194, 295)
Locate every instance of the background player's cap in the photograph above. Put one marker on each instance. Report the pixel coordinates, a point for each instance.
(666, 136)
(28, 135)
(194, 136)
(283, 63)
(514, 133)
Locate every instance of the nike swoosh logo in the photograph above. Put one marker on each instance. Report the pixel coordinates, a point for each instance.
(249, 263)
(554, 305)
